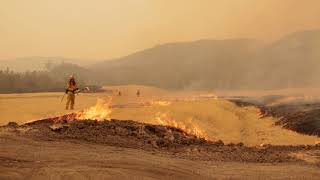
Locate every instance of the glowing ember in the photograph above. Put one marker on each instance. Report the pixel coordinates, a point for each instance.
(101, 111)
(161, 103)
(189, 126)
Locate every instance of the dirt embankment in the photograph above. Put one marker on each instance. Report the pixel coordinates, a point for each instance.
(155, 138)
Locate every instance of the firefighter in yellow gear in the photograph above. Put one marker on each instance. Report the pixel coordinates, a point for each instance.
(71, 90)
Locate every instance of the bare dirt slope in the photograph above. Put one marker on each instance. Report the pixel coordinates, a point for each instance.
(130, 150)
(22, 158)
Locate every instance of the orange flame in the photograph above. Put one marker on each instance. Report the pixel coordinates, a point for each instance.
(101, 111)
(189, 126)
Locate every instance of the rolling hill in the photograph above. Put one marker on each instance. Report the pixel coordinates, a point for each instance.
(292, 61)
(200, 64)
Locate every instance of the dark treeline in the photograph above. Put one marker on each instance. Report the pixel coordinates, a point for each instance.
(52, 80)
(35, 81)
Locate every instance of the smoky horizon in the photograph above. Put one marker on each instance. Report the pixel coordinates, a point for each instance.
(100, 30)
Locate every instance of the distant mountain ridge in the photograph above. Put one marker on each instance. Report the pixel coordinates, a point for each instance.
(180, 65)
(292, 61)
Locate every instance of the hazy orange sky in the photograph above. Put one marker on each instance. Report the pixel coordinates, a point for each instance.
(102, 29)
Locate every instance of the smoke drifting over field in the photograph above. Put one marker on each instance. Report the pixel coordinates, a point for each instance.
(290, 62)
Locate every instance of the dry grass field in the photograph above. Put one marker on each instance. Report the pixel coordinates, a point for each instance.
(23, 108)
(214, 119)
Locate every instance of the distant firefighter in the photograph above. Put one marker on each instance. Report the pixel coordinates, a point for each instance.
(71, 90)
(138, 93)
(119, 93)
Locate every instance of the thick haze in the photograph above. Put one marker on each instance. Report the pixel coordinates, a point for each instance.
(102, 29)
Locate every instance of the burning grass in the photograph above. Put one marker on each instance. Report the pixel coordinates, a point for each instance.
(103, 111)
(211, 120)
(189, 126)
(166, 133)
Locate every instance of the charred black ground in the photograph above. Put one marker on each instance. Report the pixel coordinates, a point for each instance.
(301, 117)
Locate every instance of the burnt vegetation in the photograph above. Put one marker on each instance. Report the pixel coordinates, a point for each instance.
(302, 118)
